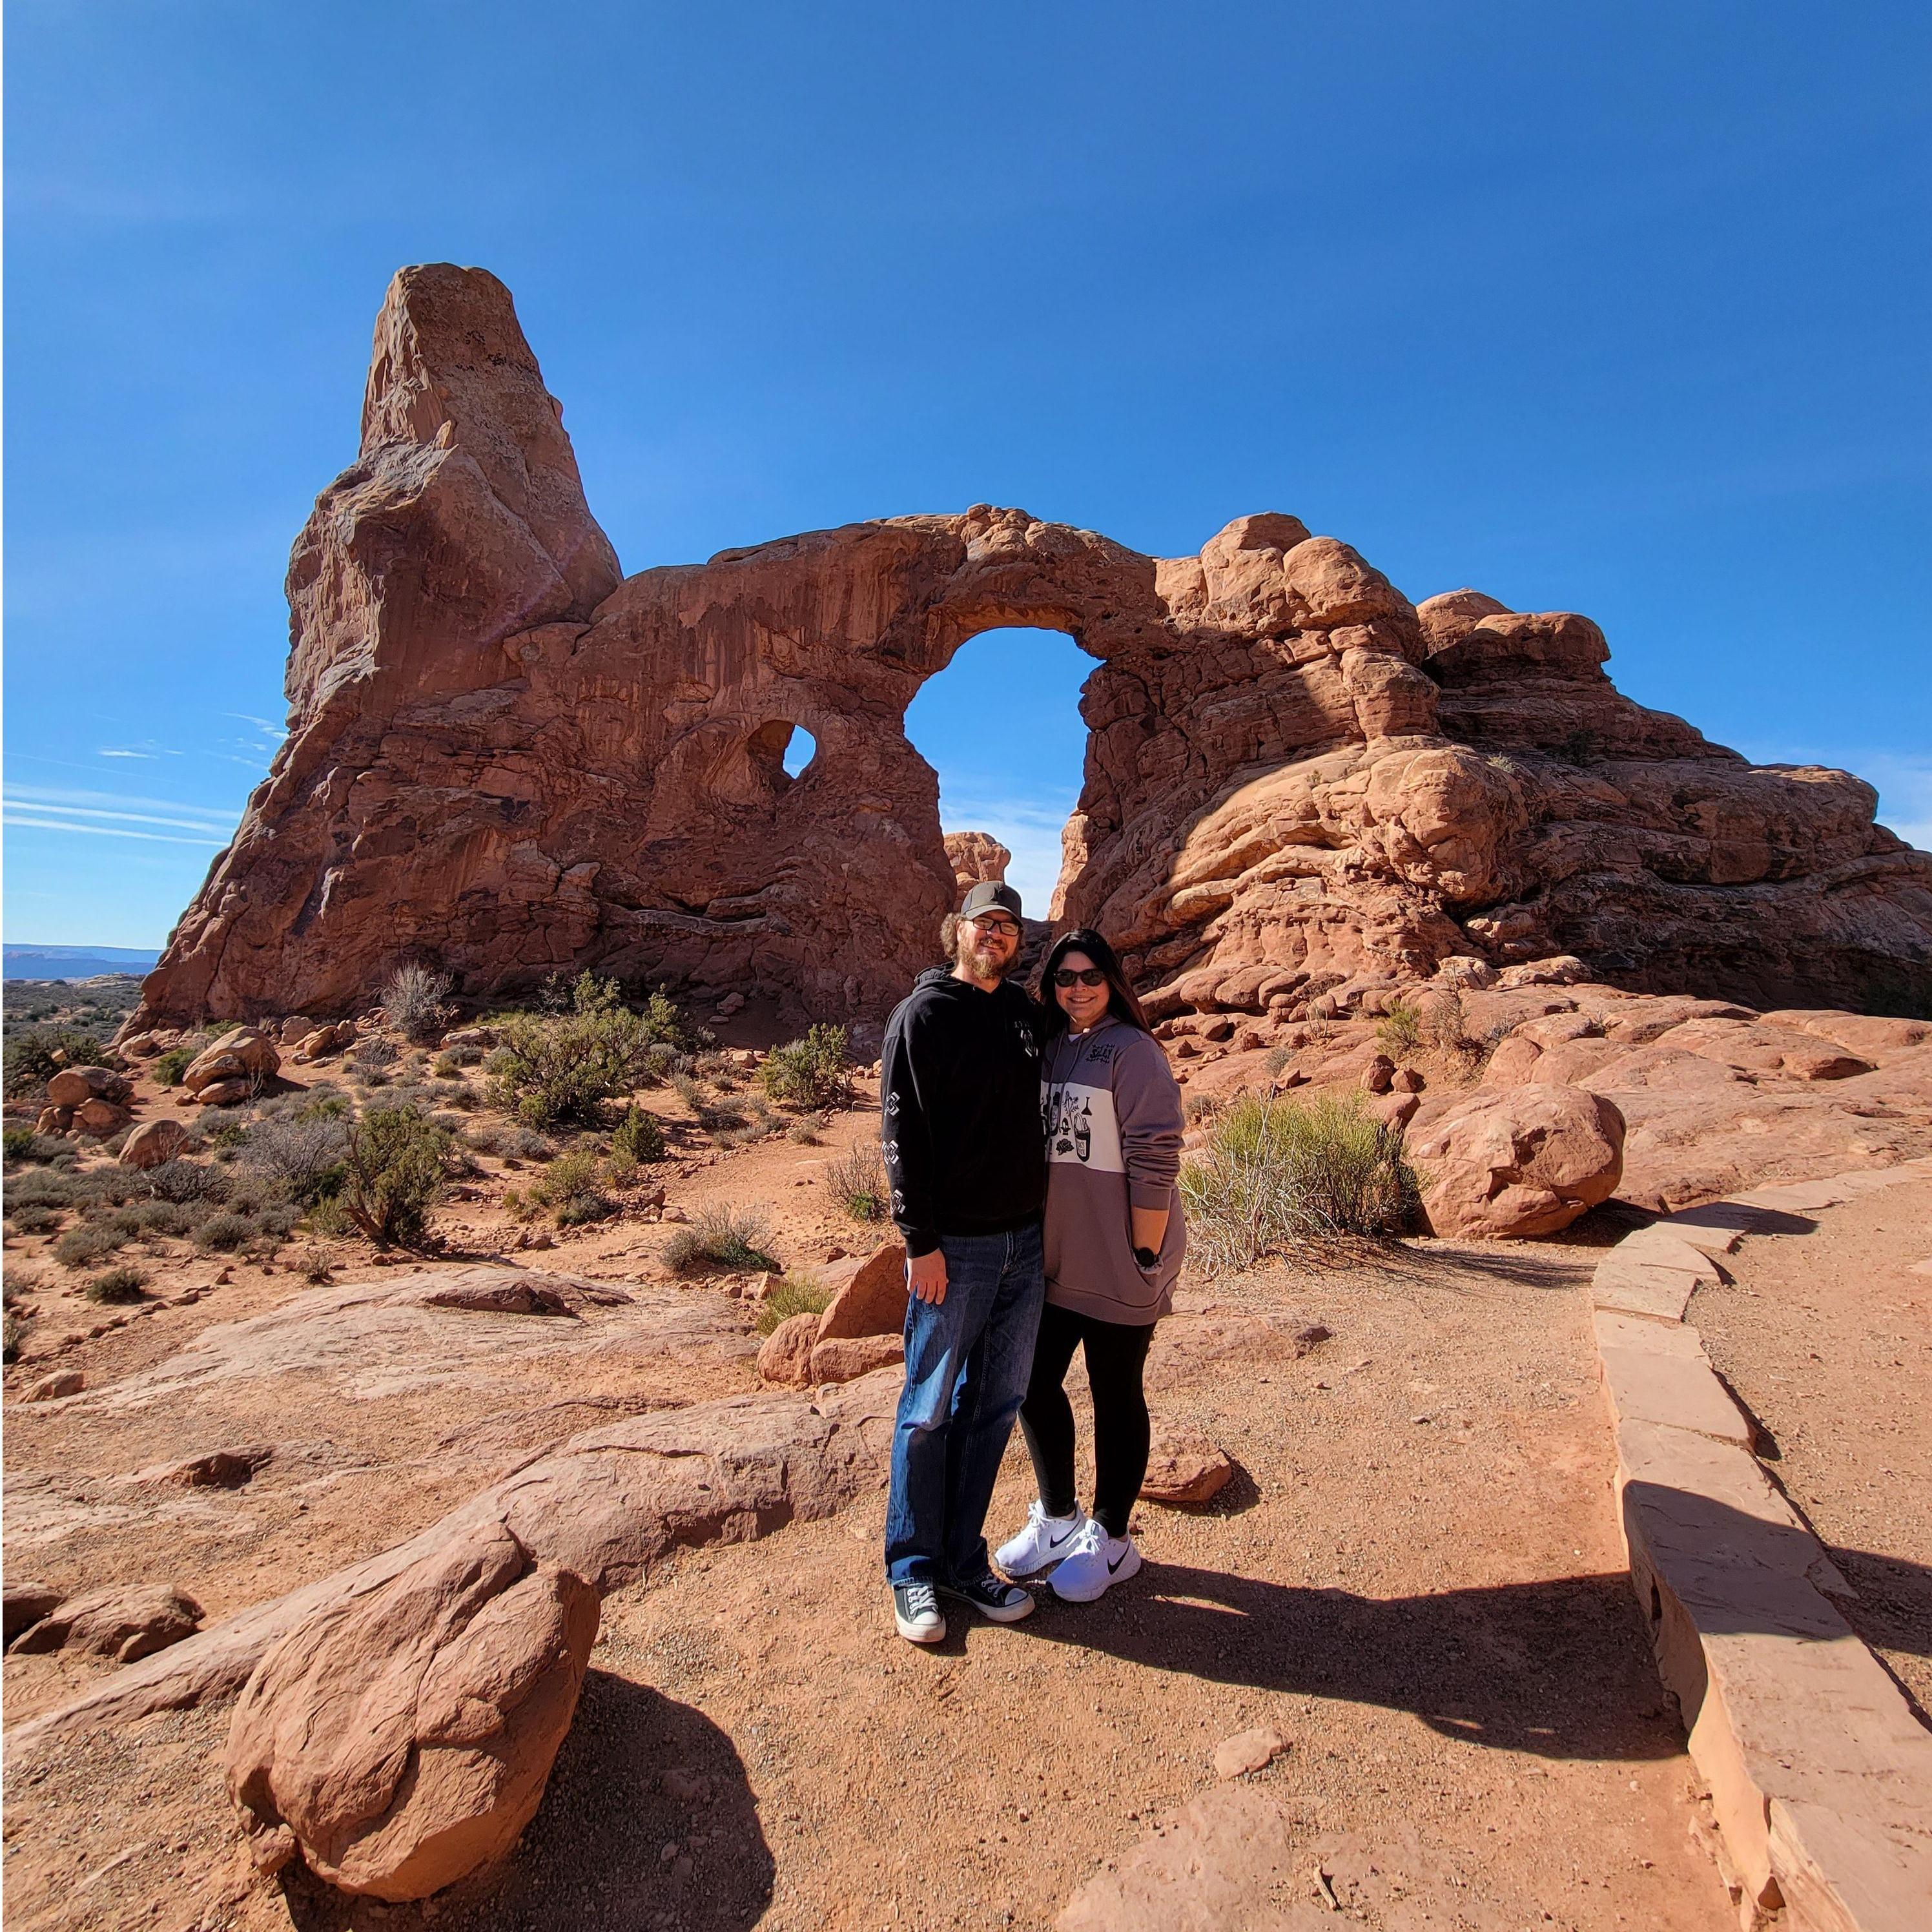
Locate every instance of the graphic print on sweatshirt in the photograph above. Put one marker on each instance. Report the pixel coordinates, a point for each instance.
(1080, 1126)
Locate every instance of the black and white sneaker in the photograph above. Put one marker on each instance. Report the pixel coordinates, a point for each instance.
(915, 1613)
(1094, 1564)
(998, 1602)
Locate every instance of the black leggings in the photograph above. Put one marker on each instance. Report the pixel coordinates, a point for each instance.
(1116, 1352)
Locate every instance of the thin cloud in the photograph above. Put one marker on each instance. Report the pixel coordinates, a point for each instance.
(67, 798)
(108, 832)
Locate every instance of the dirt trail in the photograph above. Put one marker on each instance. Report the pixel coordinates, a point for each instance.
(1827, 1338)
(1415, 1580)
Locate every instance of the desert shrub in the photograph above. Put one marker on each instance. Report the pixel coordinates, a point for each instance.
(725, 1237)
(394, 1165)
(225, 1130)
(187, 1181)
(570, 1189)
(152, 1218)
(638, 1136)
(814, 1072)
(1400, 1029)
(116, 1285)
(24, 1144)
(1275, 1172)
(89, 1242)
(857, 1182)
(687, 1089)
(796, 1294)
(18, 1143)
(445, 1066)
(33, 1218)
(304, 1154)
(1199, 1107)
(417, 1000)
(808, 1129)
(566, 1066)
(13, 1333)
(663, 1059)
(223, 1232)
(316, 1266)
(168, 1067)
(375, 1055)
(29, 1062)
(46, 1187)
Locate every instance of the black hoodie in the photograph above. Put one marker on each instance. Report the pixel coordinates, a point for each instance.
(959, 1095)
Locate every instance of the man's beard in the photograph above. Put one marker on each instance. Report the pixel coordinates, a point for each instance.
(988, 962)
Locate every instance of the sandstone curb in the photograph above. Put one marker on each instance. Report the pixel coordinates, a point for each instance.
(1820, 1776)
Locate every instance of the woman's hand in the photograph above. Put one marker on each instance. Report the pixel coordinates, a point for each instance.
(1150, 1226)
(926, 1276)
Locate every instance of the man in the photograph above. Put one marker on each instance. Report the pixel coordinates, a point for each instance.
(959, 1094)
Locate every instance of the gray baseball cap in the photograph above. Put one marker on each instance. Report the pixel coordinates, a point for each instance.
(989, 893)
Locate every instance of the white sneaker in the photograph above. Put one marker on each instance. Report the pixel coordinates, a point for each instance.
(1043, 1542)
(1093, 1564)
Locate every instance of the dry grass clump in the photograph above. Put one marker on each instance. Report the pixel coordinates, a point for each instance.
(808, 1130)
(857, 1184)
(416, 1000)
(731, 1238)
(796, 1294)
(1276, 1172)
(117, 1285)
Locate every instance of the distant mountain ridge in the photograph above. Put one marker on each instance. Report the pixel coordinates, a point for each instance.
(75, 962)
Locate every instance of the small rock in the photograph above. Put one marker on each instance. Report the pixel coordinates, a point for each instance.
(225, 1093)
(1311, 1338)
(1406, 1080)
(123, 1622)
(1378, 1075)
(1185, 1470)
(24, 1604)
(786, 1357)
(51, 1388)
(1248, 1751)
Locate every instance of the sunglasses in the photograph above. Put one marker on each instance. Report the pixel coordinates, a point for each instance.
(1092, 977)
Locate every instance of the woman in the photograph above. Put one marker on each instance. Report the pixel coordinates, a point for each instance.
(1114, 1241)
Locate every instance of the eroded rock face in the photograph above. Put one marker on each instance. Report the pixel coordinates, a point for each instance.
(401, 1739)
(975, 856)
(504, 760)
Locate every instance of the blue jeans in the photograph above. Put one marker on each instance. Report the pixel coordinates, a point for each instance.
(966, 1364)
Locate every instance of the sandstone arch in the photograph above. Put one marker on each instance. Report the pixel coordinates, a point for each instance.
(505, 756)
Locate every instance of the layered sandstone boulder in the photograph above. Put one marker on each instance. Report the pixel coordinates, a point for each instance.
(399, 1740)
(1515, 1163)
(1298, 786)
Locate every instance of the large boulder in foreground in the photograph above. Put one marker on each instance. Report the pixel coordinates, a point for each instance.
(1514, 1164)
(401, 1739)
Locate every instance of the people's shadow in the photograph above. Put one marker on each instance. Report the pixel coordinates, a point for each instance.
(637, 1773)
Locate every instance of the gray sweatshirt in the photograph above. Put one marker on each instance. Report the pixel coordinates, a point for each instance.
(1111, 1110)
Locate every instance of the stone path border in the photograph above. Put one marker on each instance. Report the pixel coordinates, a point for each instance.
(1820, 1776)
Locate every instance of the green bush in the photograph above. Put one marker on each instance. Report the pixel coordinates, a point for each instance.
(168, 1067)
(1275, 1172)
(857, 1184)
(29, 1062)
(116, 1285)
(815, 1071)
(89, 1242)
(565, 1066)
(395, 1169)
(1400, 1031)
(638, 1136)
(796, 1294)
(724, 1237)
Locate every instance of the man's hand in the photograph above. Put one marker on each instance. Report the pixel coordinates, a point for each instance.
(926, 1276)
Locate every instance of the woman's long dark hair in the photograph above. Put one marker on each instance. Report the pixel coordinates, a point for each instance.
(1122, 1001)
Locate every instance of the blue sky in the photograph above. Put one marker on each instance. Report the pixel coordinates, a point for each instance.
(1619, 308)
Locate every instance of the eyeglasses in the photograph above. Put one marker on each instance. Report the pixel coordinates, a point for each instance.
(1092, 977)
(1005, 927)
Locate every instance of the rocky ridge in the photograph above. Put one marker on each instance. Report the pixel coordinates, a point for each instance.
(506, 759)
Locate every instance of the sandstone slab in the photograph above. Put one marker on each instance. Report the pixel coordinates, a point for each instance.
(1185, 1470)
(124, 1621)
(845, 1357)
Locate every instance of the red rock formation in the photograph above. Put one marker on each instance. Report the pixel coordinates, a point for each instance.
(975, 856)
(503, 761)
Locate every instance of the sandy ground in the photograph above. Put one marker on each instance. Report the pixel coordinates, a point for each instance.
(1414, 1578)
(1827, 1338)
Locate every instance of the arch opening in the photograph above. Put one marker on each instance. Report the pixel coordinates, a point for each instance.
(1000, 725)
